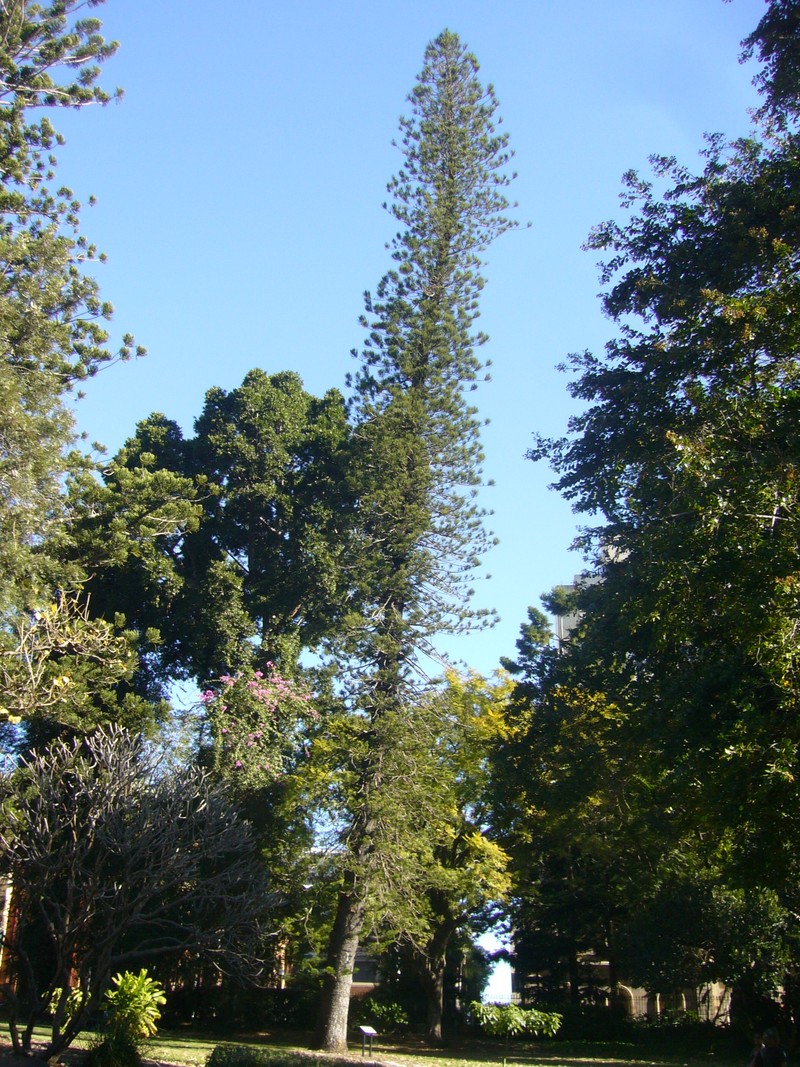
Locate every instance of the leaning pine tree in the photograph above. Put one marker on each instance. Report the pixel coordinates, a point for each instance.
(416, 467)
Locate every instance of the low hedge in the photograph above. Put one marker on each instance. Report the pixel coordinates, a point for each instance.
(247, 1056)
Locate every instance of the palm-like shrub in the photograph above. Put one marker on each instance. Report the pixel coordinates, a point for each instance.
(134, 1005)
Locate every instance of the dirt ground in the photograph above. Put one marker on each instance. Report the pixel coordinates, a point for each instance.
(71, 1058)
(8, 1059)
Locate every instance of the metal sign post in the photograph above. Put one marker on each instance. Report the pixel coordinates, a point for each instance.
(367, 1032)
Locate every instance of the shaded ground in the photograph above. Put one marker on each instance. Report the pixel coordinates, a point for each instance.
(188, 1049)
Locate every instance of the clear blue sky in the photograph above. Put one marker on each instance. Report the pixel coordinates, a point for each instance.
(240, 183)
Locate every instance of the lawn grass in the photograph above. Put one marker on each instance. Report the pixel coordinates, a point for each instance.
(661, 1049)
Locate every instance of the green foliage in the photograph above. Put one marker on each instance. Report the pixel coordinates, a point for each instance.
(418, 453)
(72, 1003)
(133, 1005)
(51, 315)
(386, 1016)
(510, 1020)
(665, 738)
(62, 669)
(461, 875)
(275, 455)
(691, 458)
(535, 636)
(390, 1018)
(572, 806)
(691, 931)
(259, 722)
(248, 1056)
(53, 336)
(415, 463)
(775, 41)
(117, 1050)
(230, 544)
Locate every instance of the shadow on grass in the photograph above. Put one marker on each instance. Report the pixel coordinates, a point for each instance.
(192, 1049)
(659, 1050)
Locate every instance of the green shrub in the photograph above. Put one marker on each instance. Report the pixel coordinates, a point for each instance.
(387, 1016)
(119, 1050)
(133, 1005)
(247, 1056)
(238, 1056)
(510, 1020)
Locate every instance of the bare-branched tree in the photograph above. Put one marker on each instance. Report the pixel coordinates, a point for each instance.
(113, 862)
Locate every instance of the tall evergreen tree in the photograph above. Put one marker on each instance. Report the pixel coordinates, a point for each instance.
(51, 315)
(686, 453)
(52, 337)
(416, 464)
(243, 530)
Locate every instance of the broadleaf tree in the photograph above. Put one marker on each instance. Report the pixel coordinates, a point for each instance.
(251, 567)
(465, 878)
(686, 457)
(116, 860)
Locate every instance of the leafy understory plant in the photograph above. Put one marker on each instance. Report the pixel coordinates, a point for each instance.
(72, 1004)
(510, 1020)
(133, 1013)
(133, 1005)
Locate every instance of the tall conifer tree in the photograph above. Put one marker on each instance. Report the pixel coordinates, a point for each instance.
(52, 332)
(417, 464)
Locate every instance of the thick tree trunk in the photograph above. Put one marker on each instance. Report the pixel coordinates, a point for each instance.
(432, 964)
(331, 1032)
(432, 980)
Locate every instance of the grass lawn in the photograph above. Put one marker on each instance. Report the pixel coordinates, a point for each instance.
(664, 1050)
(661, 1049)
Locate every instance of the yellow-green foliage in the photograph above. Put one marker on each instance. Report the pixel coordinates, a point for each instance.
(133, 1004)
(510, 1020)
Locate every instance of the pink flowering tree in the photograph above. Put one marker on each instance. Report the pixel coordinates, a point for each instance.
(259, 723)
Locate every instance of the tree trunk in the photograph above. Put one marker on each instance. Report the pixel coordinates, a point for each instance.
(432, 964)
(432, 980)
(331, 1032)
